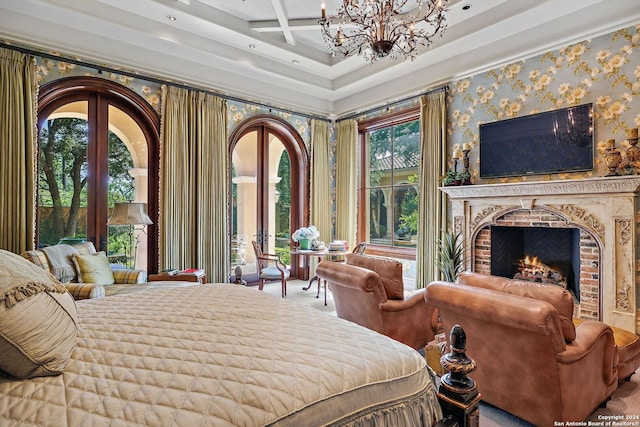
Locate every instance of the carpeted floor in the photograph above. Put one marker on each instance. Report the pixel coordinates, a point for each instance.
(624, 401)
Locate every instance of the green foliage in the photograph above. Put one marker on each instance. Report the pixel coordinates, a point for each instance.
(450, 176)
(63, 176)
(409, 208)
(450, 255)
(284, 254)
(283, 207)
(121, 183)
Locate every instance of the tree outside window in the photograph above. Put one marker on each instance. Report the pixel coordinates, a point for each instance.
(392, 165)
(63, 171)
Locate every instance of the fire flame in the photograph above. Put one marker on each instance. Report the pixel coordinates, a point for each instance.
(531, 261)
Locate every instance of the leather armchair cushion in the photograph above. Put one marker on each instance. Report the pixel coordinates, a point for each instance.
(558, 297)
(389, 271)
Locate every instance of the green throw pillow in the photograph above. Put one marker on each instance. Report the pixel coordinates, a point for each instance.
(93, 268)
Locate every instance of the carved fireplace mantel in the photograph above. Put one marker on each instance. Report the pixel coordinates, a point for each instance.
(605, 185)
(605, 208)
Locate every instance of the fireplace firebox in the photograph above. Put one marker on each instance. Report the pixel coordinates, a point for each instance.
(557, 248)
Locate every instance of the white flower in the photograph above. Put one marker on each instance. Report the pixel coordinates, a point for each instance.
(309, 233)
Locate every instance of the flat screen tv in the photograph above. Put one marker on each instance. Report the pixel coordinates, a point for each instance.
(551, 142)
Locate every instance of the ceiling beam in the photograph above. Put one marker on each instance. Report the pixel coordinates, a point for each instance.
(278, 7)
(294, 25)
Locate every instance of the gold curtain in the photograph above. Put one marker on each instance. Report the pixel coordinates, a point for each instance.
(432, 202)
(320, 179)
(346, 181)
(18, 94)
(193, 189)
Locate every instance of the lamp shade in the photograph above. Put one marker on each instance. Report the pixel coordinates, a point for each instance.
(130, 213)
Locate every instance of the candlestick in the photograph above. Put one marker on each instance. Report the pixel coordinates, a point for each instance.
(466, 176)
(324, 11)
(466, 146)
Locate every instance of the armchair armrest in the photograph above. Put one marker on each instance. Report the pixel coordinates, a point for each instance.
(129, 277)
(349, 276)
(588, 367)
(414, 299)
(411, 321)
(588, 334)
(85, 290)
(593, 337)
(275, 259)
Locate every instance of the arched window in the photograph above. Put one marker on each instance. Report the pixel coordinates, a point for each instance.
(96, 145)
(269, 189)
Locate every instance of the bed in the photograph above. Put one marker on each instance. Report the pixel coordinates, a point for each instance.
(222, 355)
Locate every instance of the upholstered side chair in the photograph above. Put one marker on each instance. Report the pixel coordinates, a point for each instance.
(270, 268)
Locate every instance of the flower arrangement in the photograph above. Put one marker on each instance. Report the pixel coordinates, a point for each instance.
(306, 233)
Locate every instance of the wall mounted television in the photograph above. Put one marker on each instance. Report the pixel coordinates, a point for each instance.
(551, 142)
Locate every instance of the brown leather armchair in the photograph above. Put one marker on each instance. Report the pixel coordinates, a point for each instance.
(369, 291)
(532, 361)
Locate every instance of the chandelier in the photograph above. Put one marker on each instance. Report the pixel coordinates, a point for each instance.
(376, 29)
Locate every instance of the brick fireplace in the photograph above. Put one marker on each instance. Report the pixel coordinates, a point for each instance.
(600, 216)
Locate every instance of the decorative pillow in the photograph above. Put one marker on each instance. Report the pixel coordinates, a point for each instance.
(37, 320)
(389, 270)
(93, 268)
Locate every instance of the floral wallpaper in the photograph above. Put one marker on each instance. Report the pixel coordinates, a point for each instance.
(237, 112)
(604, 71)
(50, 70)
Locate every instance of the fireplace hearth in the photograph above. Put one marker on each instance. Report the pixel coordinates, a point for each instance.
(591, 222)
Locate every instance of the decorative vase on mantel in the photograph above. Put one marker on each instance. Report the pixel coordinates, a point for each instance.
(612, 157)
(633, 152)
(304, 244)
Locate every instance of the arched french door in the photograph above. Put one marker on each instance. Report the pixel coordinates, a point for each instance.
(96, 145)
(269, 190)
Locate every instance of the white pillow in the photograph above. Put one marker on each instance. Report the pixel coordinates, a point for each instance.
(37, 320)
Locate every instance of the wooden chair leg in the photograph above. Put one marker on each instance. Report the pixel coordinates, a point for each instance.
(325, 292)
(260, 284)
(284, 288)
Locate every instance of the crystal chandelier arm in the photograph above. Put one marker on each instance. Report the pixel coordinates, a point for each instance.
(378, 28)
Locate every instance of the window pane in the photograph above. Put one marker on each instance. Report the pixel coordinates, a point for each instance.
(123, 245)
(406, 151)
(394, 160)
(244, 203)
(62, 192)
(380, 157)
(283, 208)
(379, 225)
(407, 214)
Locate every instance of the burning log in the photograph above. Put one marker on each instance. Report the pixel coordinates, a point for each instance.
(531, 269)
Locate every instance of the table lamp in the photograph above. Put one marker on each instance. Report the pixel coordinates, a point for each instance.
(131, 214)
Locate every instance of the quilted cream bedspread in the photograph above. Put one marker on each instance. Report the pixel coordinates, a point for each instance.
(223, 355)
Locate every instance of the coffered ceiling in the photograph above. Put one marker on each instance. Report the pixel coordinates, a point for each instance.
(272, 50)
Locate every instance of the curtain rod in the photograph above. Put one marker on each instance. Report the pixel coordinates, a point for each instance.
(400, 101)
(152, 79)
